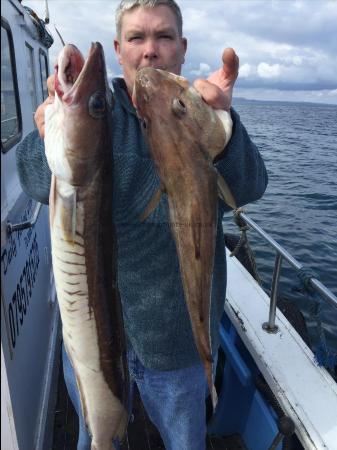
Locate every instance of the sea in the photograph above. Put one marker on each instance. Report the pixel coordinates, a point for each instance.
(298, 142)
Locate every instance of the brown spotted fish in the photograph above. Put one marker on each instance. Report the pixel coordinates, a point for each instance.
(79, 153)
(184, 136)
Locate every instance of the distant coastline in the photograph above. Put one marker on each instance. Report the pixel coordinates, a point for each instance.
(237, 100)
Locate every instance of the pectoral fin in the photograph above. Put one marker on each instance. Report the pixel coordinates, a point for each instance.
(52, 200)
(225, 193)
(69, 216)
(152, 204)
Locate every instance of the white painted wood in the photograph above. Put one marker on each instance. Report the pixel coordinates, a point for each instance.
(306, 392)
(8, 433)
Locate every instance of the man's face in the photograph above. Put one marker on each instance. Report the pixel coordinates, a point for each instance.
(149, 38)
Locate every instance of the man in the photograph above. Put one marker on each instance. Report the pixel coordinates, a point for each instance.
(162, 356)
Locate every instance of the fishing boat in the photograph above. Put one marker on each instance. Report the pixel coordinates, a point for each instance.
(273, 393)
(30, 326)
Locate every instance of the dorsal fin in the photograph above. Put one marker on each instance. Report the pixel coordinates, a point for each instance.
(152, 205)
(225, 193)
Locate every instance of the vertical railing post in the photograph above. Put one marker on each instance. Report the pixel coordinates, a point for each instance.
(314, 282)
(270, 326)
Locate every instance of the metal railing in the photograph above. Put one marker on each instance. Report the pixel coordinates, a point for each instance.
(14, 118)
(282, 254)
(27, 223)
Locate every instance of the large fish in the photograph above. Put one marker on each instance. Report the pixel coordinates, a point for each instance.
(184, 136)
(79, 153)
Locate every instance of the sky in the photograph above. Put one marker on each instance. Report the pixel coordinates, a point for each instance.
(287, 48)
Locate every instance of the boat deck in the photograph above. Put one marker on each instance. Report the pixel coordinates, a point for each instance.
(141, 435)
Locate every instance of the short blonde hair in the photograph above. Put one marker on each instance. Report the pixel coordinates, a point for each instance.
(127, 5)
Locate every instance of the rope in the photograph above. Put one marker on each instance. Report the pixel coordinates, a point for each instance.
(265, 389)
(305, 275)
(243, 242)
(45, 37)
(323, 355)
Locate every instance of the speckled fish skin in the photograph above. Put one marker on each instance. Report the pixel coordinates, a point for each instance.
(184, 136)
(79, 153)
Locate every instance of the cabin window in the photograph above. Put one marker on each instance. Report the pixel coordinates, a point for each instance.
(11, 124)
(44, 72)
(31, 76)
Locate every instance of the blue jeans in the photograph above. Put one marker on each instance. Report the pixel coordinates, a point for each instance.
(174, 401)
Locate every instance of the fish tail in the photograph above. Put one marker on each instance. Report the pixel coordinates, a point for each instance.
(121, 430)
(106, 446)
(214, 397)
(212, 390)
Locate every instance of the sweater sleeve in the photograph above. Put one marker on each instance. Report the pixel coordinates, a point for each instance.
(33, 169)
(242, 166)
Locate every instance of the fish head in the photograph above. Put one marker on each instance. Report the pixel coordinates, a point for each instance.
(169, 107)
(78, 122)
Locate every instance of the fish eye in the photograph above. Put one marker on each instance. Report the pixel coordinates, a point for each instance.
(97, 105)
(178, 107)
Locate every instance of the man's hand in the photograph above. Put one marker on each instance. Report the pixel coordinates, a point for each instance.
(217, 90)
(39, 113)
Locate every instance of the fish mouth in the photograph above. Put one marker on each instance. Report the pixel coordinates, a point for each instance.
(149, 82)
(146, 84)
(153, 66)
(69, 65)
(147, 77)
(72, 70)
(152, 76)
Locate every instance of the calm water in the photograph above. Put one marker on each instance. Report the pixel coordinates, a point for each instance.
(298, 142)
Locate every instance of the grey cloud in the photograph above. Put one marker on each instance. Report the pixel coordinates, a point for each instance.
(289, 45)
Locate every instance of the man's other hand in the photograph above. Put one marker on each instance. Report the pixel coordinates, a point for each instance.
(217, 90)
(39, 114)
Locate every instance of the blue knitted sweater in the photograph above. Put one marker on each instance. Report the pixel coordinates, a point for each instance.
(155, 314)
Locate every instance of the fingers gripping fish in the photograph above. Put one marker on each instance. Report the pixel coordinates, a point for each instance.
(78, 149)
(184, 136)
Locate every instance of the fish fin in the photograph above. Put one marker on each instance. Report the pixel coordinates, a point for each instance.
(73, 216)
(214, 397)
(69, 214)
(77, 379)
(211, 387)
(52, 199)
(115, 445)
(121, 429)
(225, 193)
(152, 204)
(227, 123)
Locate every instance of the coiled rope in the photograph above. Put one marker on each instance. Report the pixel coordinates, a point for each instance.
(323, 354)
(45, 37)
(243, 242)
